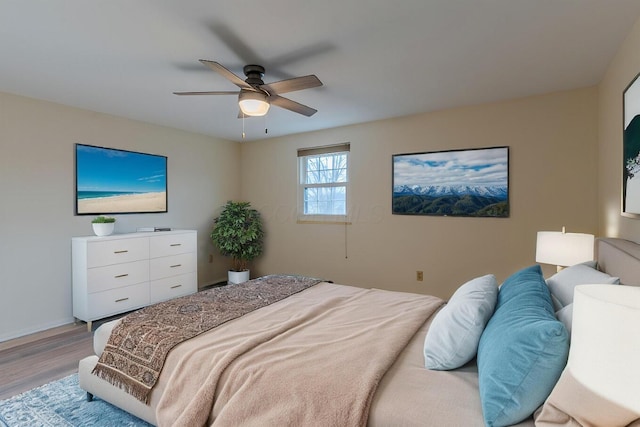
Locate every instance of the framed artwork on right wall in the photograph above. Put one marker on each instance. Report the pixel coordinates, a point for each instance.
(631, 150)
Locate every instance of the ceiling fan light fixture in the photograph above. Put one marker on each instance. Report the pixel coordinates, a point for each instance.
(253, 103)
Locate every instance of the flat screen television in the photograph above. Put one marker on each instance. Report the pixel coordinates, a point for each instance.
(112, 181)
(471, 183)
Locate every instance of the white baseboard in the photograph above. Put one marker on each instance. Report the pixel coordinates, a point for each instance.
(38, 328)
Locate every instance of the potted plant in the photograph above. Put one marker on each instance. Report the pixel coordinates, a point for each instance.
(103, 225)
(238, 234)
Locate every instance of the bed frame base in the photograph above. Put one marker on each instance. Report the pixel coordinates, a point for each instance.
(97, 387)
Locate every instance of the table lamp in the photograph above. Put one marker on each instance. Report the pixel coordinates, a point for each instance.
(563, 249)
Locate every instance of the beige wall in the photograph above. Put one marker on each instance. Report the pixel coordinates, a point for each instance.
(553, 144)
(554, 151)
(37, 217)
(624, 67)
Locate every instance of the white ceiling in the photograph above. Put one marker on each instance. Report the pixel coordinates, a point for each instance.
(376, 58)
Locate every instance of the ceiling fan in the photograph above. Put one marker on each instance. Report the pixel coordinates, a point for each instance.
(255, 96)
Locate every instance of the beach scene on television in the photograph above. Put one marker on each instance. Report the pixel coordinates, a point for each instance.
(110, 181)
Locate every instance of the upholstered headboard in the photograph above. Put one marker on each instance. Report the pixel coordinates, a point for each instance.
(620, 258)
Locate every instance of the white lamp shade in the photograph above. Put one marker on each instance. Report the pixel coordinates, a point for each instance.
(605, 346)
(564, 249)
(253, 103)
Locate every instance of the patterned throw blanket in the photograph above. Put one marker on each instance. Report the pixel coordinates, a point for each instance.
(138, 346)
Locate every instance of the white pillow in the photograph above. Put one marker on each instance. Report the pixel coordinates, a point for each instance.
(453, 337)
(565, 315)
(563, 282)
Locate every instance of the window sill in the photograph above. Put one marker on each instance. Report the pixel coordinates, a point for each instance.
(328, 221)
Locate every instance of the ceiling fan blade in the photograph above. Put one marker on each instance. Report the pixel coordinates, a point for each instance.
(290, 105)
(207, 93)
(227, 74)
(233, 41)
(291, 85)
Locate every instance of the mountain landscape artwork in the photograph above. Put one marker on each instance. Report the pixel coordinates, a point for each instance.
(468, 183)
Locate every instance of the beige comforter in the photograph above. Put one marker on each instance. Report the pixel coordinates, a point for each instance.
(315, 358)
(137, 348)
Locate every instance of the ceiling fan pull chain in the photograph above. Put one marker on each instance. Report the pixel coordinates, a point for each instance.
(266, 130)
(243, 135)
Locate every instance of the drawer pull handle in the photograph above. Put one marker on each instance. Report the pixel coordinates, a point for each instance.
(176, 244)
(121, 252)
(121, 275)
(175, 286)
(176, 265)
(121, 299)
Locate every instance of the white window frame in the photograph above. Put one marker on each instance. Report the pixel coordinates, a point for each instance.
(303, 154)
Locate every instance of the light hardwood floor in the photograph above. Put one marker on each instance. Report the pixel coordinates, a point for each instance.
(37, 359)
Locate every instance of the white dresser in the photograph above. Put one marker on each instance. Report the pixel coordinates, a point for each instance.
(123, 272)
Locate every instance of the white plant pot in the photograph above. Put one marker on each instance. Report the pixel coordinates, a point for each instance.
(236, 277)
(103, 229)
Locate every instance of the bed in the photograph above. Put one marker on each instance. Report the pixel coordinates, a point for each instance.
(387, 374)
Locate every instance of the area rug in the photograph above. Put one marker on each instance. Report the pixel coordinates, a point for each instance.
(62, 403)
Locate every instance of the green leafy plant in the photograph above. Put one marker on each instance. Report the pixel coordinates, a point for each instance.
(238, 233)
(103, 219)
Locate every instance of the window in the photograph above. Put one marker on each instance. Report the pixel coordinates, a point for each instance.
(323, 184)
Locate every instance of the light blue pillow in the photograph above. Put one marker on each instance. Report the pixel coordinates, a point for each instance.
(563, 283)
(522, 351)
(452, 339)
(565, 315)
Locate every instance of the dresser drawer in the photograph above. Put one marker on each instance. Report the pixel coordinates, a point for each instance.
(160, 268)
(118, 275)
(172, 244)
(103, 304)
(116, 251)
(172, 287)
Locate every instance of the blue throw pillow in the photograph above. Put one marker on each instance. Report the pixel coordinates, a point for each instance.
(522, 350)
(452, 339)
